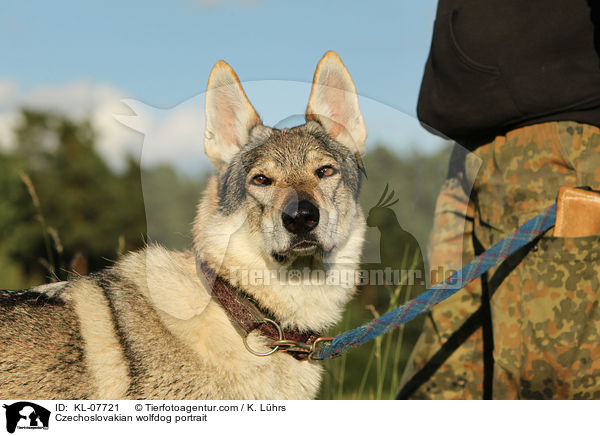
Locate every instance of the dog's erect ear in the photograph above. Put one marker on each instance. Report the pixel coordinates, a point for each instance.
(334, 104)
(229, 115)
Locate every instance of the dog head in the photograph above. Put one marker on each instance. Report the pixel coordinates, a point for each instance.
(296, 189)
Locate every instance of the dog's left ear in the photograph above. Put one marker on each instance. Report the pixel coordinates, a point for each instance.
(333, 103)
(229, 115)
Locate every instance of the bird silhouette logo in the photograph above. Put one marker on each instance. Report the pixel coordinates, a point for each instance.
(398, 249)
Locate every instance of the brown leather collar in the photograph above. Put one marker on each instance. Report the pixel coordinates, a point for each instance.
(248, 314)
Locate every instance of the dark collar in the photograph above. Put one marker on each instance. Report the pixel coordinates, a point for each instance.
(248, 314)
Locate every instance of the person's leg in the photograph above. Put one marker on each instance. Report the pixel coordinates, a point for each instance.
(450, 247)
(545, 313)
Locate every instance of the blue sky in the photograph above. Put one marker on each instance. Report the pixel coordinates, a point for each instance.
(162, 52)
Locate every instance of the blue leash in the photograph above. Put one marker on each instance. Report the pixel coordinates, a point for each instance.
(438, 293)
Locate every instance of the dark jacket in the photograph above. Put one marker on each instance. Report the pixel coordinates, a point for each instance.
(495, 65)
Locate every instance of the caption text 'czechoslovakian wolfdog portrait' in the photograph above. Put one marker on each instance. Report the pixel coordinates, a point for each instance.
(161, 324)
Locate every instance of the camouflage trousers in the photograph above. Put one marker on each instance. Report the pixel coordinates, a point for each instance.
(544, 311)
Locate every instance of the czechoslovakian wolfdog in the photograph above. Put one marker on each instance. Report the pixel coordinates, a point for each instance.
(188, 325)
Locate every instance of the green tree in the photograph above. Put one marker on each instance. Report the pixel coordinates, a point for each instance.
(87, 209)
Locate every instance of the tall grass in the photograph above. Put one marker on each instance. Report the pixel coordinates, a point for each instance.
(374, 370)
(54, 265)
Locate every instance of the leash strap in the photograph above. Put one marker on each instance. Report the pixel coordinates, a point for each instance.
(438, 293)
(470, 326)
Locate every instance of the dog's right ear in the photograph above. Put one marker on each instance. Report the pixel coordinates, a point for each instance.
(333, 103)
(229, 115)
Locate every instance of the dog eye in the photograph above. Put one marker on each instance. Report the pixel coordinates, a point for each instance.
(326, 171)
(262, 180)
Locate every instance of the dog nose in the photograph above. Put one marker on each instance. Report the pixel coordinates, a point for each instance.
(301, 217)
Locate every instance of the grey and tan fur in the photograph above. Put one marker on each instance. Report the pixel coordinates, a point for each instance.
(148, 327)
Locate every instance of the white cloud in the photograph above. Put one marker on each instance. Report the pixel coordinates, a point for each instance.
(78, 100)
(170, 132)
(8, 91)
(170, 135)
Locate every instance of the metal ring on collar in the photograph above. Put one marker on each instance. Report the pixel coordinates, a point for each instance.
(268, 353)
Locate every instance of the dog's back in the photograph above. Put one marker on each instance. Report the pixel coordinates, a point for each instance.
(42, 350)
(95, 337)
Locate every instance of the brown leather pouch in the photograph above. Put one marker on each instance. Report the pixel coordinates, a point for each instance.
(577, 213)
